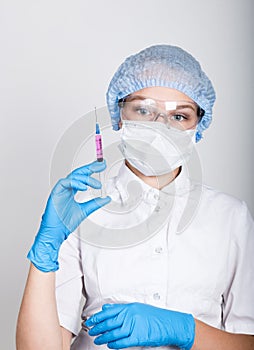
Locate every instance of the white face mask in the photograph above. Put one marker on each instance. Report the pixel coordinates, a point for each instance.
(153, 148)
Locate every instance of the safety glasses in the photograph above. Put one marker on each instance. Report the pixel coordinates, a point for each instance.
(182, 115)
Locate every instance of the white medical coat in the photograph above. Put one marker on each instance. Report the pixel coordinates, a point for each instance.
(199, 261)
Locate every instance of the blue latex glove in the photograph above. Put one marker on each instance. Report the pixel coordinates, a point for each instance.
(126, 325)
(63, 215)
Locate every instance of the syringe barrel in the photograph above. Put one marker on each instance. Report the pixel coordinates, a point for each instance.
(99, 153)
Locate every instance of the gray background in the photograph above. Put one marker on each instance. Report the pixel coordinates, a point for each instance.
(57, 58)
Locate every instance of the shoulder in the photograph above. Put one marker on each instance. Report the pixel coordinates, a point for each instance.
(221, 200)
(225, 208)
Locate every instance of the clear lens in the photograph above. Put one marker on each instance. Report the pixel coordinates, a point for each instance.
(177, 114)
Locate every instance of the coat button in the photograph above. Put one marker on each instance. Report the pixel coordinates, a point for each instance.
(156, 296)
(158, 250)
(157, 208)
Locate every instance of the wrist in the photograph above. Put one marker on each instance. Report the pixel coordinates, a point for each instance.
(44, 256)
(183, 326)
(189, 331)
(193, 325)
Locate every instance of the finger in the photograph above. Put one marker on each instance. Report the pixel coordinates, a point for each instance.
(94, 204)
(122, 343)
(106, 326)
(77, 183)
(94, 167)
(68, 184)
(111, 337)
(88, 180)
(106, 313)
(97, 167)
(106, 306)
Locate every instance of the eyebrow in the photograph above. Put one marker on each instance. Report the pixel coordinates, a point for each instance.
(130, 98)
(190, 105)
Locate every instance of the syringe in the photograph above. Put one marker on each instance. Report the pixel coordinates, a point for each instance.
(98, 142)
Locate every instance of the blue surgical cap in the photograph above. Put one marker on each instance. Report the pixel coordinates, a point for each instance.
(165, 66)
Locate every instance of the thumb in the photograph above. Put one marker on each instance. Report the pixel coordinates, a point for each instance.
(106, 306)
(94, 204)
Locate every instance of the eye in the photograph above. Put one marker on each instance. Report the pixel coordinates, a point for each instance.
(143, 110)
(178, 117)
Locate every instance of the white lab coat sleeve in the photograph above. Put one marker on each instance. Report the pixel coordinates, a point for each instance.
(238, 308)
(69, 285)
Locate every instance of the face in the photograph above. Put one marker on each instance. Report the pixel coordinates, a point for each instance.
(161, 104)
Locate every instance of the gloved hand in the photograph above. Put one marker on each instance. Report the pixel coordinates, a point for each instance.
(63, 215)
(136, 324)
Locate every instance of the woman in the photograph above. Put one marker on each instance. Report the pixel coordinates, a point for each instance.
(185, 283)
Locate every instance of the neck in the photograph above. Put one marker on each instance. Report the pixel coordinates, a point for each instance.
(159, 181)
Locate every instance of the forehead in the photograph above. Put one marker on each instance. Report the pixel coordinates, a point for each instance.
(162, 94)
